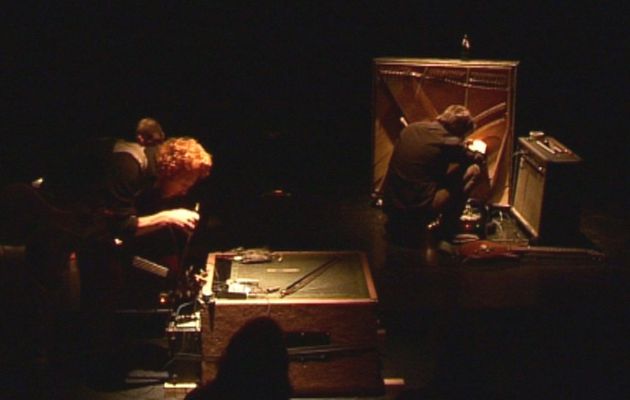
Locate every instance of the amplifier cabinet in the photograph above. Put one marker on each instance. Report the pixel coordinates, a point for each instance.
(335, 313)
(546, 195)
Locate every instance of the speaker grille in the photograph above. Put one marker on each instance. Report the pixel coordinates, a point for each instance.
(530, 187)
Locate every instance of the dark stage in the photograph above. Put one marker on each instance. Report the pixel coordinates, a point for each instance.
(550, 329)
(281, 95)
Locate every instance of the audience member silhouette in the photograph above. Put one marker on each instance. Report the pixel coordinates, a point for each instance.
(254, 365)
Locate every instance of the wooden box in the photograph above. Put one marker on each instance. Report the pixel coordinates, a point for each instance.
(337, 303)
(407, 90)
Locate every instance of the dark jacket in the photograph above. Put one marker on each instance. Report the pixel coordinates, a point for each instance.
(419, 164)
(101, 182)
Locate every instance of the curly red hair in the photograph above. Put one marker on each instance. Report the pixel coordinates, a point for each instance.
(178, 156)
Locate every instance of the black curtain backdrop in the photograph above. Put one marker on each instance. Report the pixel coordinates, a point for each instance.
(280, 92)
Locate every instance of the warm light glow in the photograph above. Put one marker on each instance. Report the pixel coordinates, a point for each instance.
(478, 145)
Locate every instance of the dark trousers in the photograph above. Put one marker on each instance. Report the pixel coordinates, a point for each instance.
(408, 228)
(111, 283)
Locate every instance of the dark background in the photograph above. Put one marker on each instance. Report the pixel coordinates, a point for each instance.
(280, 92)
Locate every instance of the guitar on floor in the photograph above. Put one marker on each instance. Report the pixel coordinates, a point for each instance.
(489, 250)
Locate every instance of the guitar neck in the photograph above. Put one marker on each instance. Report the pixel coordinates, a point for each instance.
(548, 250)
(487, 249)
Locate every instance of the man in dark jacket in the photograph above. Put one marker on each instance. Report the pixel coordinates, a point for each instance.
(431, 173)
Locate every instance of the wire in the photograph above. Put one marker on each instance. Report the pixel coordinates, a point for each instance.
(179, 308)
(176, 356)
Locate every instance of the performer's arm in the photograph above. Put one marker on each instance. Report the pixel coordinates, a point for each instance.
(179, 217)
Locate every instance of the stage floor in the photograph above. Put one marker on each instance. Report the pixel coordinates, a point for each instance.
(489, 331)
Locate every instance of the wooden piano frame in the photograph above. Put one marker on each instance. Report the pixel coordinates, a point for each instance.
(407, 90)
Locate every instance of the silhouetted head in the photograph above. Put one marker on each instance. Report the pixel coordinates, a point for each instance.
(149, 132)
(255, 364)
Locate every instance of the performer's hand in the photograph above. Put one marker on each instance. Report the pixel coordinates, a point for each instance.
(476, 151)
(472, 172)
(180, 217)
(477, 181)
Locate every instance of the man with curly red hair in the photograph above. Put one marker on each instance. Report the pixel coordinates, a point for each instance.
(114, 206)
(179, 164)
(91, 204)
(169, 169)
(130, 170)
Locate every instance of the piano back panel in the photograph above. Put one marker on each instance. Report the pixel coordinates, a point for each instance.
(407, 90)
